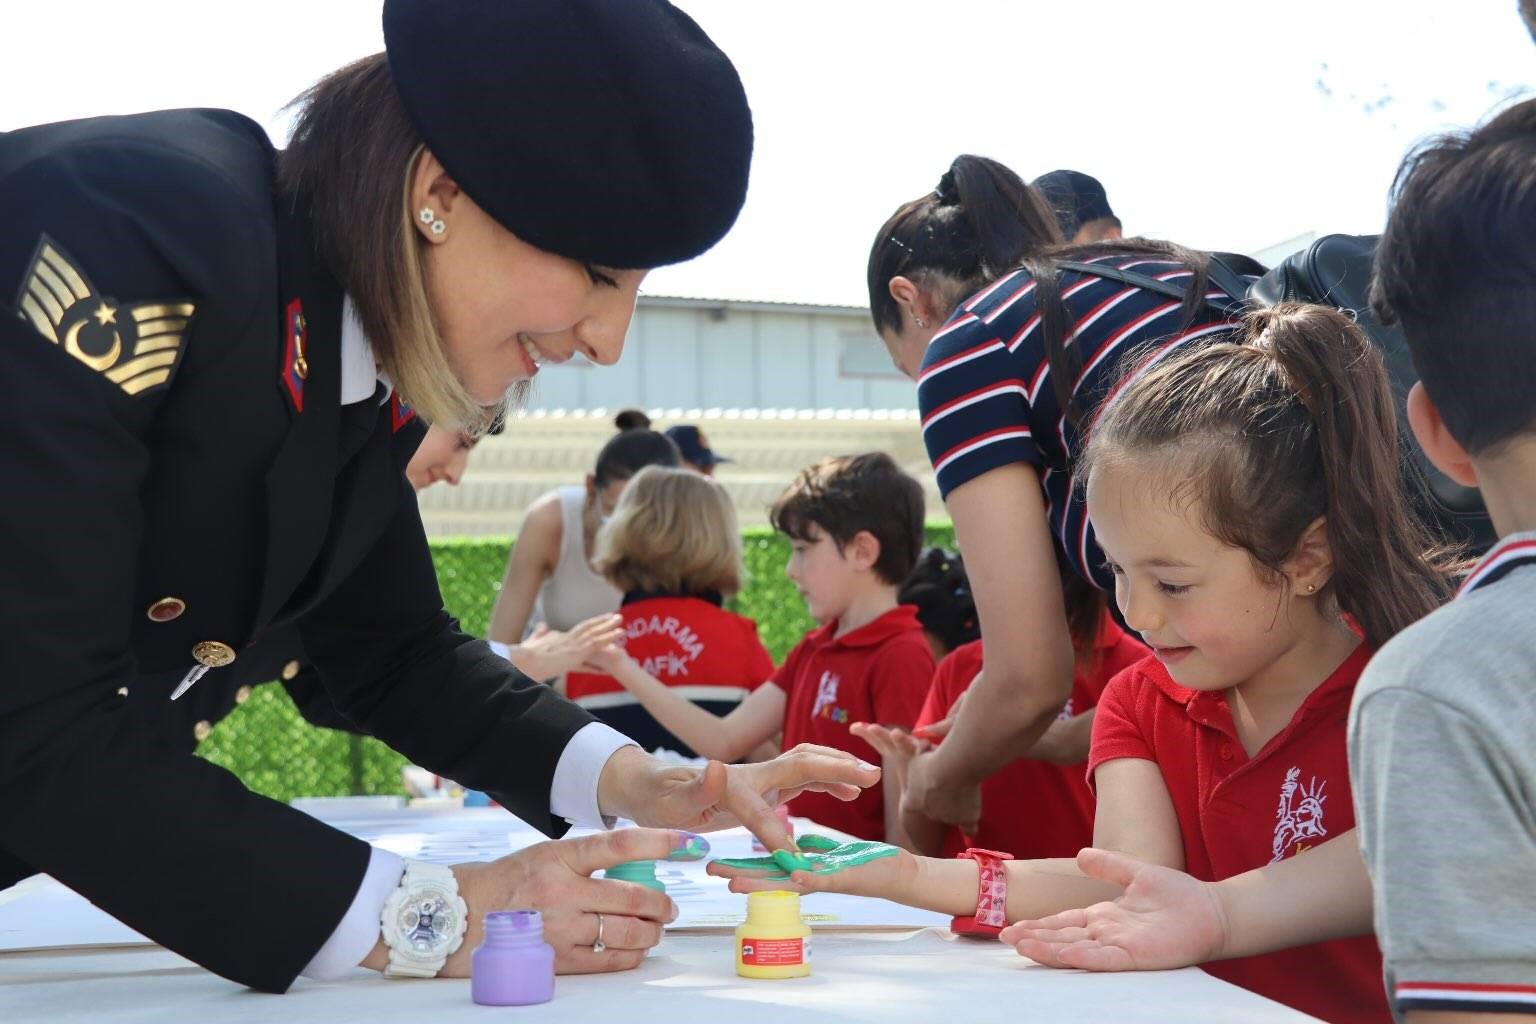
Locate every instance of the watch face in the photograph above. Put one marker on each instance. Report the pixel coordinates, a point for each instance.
(428, 920)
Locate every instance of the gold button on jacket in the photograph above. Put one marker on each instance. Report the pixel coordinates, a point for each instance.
(213, 654)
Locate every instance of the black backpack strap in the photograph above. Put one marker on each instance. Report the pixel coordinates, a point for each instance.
(1126, 277)
(1219, 274)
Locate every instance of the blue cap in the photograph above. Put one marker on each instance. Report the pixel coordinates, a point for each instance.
(1075, 197)
(693, 445)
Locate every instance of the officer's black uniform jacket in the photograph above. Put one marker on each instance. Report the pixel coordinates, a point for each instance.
(124, 485)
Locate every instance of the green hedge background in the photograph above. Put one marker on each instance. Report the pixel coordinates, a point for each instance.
(275, 752)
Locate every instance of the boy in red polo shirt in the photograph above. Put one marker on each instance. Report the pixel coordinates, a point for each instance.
(855, 525)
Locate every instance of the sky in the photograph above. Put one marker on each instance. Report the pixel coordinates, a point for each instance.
(1227, 124)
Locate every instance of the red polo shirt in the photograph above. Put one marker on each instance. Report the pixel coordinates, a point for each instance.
(1033, 809)
(1238, 813)
(877, 673)
(711, 656)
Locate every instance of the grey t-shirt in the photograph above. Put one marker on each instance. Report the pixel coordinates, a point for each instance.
(1442, 751)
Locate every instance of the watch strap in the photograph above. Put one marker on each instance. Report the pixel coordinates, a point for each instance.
(406, 965)
(991, 915)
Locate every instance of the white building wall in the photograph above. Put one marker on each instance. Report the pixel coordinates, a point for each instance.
(709, 354)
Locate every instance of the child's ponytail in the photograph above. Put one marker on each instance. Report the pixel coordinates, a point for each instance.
(1384, 574)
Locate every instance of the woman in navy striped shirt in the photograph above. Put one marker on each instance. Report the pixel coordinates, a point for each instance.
(1006, 386)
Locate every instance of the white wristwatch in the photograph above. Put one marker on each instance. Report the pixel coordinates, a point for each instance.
(423, 921)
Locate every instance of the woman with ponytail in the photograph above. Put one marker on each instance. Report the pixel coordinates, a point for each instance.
(1012, 351)
(1249, 510)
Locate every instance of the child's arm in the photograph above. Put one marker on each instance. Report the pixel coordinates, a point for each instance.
(907, 829)
(1066, 741)
(1167, 919)
(1134, 812)
(943, 886)
(757, 718)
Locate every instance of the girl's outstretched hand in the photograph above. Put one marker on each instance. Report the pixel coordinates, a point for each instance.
(1165, 919)
(860, 868)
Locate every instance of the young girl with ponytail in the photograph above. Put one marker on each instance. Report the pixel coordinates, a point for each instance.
(1247, 499)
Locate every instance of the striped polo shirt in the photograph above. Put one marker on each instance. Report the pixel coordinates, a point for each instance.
(986, 394)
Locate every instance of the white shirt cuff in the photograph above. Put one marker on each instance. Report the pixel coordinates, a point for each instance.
(505, 650)
(355, 936)
(573, 796)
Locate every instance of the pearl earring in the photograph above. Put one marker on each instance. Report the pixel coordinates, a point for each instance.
(434, 224)
(1311, 588)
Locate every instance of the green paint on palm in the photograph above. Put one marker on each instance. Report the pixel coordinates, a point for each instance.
(818, 854)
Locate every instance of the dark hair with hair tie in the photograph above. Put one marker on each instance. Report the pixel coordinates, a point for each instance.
(977, 224)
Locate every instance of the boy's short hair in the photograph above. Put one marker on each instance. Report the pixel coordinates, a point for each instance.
(1456, 268)
(848, 494)
(673, 531)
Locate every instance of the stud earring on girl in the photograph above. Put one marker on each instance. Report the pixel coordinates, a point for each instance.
(428, 216)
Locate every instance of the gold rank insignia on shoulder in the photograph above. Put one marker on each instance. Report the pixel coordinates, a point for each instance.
(137, 347)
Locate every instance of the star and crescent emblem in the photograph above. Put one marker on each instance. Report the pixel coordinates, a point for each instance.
(136, 346)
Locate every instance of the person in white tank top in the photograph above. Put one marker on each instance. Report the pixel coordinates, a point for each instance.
(553, 609)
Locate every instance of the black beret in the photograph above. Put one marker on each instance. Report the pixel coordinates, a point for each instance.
(608, 131)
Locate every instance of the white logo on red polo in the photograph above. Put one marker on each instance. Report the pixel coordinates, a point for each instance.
(826, 699)
(1299, 818)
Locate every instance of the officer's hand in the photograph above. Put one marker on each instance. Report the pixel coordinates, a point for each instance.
(554, 879)
(637, 786)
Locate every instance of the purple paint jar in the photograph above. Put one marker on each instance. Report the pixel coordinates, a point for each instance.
(513, 966)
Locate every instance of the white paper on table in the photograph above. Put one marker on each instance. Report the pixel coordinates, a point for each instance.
(40, 913)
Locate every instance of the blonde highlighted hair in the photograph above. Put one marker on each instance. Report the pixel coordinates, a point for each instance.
(672, 531)
(350, 160)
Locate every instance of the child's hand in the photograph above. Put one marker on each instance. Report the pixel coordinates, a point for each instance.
(610, 660)
(549, 652)
(859, 868)
(896, 746)
(1165, 919)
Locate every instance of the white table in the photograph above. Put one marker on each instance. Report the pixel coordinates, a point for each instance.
(858, 974)
(924, 976)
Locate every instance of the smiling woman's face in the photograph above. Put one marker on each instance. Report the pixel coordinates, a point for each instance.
(503, 307)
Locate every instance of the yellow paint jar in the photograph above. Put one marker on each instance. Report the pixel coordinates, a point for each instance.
(773, 942)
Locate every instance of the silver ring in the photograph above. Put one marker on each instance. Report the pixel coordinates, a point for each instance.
(598, 945)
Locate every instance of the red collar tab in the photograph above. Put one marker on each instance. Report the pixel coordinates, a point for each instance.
(400, 412)
(991, 915)
(295, 368)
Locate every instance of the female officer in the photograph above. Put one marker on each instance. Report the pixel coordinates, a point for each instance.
(1011, 352)
(211, 356)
